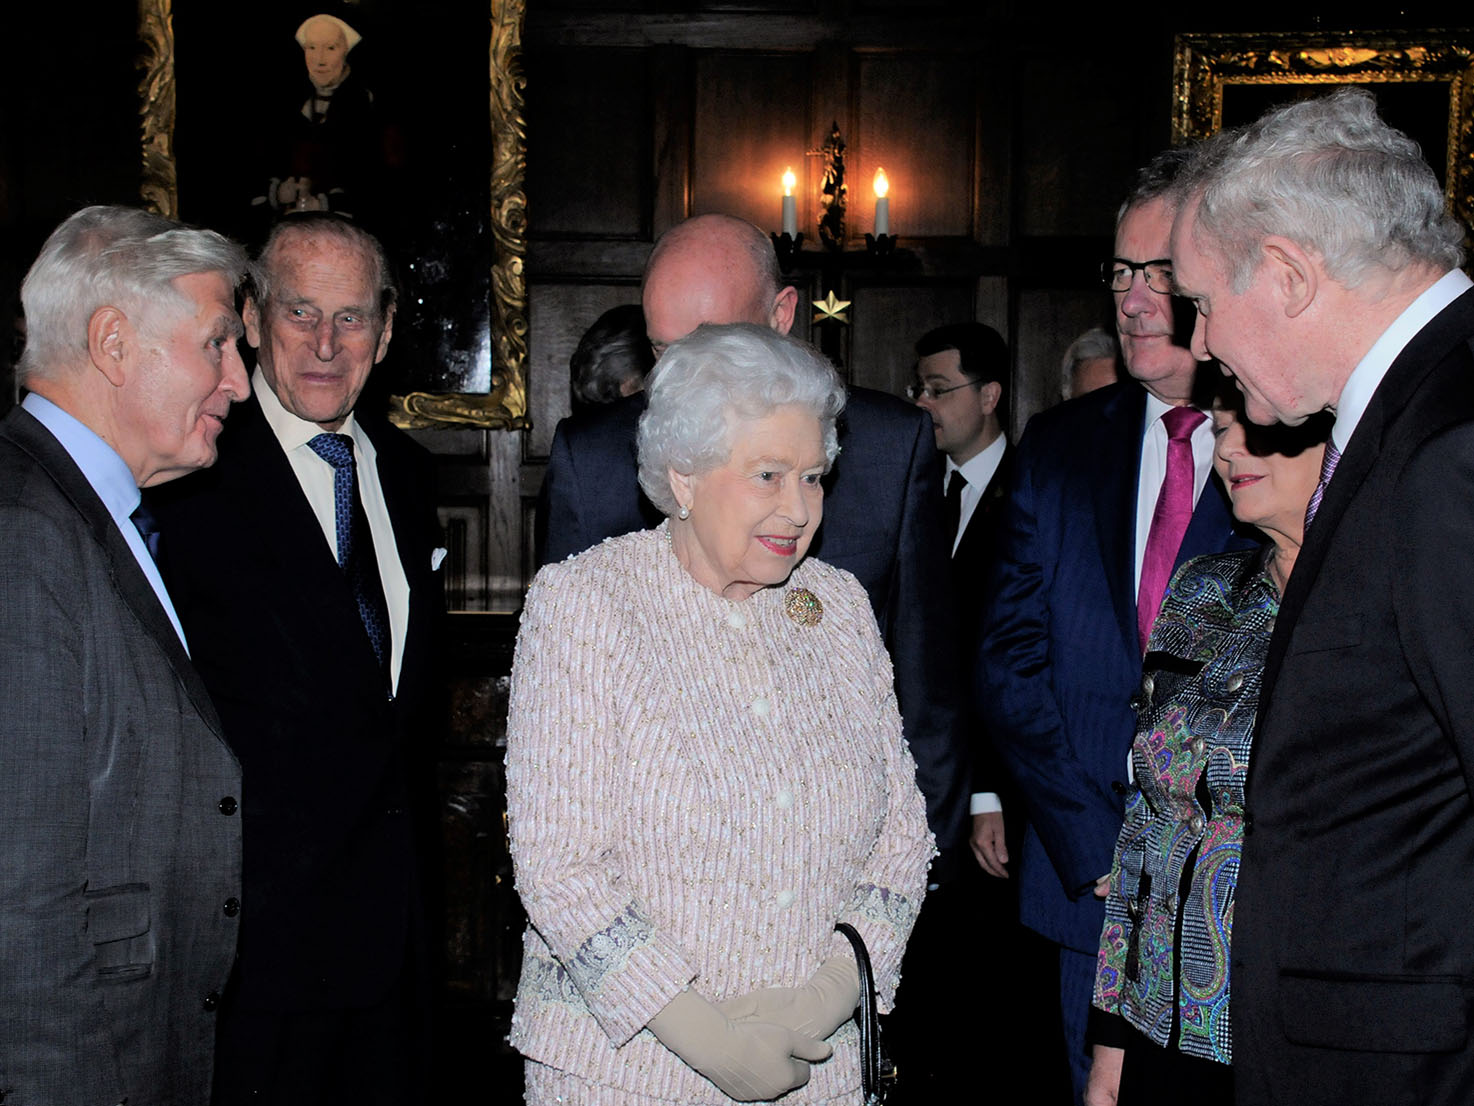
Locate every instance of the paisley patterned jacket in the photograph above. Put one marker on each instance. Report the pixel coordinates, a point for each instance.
(1169, 915)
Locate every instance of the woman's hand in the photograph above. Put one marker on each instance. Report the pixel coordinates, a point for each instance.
(750, 1061)
(816, 1009)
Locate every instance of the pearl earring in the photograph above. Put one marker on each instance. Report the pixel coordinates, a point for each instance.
(684, 513)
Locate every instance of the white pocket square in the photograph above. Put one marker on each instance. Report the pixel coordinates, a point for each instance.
(437, 557)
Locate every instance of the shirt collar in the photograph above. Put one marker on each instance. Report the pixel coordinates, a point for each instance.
(292, 431)
(979, 470)
(1369, 371)
(100, 463)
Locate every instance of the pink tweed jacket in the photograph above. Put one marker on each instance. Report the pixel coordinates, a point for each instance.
(697, 790)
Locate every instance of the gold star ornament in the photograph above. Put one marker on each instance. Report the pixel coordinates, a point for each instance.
(831, 308)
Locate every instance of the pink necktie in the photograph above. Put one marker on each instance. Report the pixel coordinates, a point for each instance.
(1169, 521)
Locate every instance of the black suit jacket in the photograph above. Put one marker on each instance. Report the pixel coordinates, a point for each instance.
(1353, 945)
(971, 564)
(331, 894)
(882, 522)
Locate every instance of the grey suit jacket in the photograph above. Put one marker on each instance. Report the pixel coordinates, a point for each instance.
(120, 864)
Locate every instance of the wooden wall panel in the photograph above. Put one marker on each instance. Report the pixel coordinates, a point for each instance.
(1049, 320)
(588, 142)
(751, 122)
(888, 320)
(916, 118)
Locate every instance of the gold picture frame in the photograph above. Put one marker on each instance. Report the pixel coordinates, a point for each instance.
(1256, 69)
(504, 405)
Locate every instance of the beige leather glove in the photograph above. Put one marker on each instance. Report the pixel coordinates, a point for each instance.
(816, 1009)
(752, 1061)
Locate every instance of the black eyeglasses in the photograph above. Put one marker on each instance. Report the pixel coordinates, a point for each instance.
(926, 391)
(1117, 274)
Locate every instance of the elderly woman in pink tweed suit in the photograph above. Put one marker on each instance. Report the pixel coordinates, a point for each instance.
(705, 768)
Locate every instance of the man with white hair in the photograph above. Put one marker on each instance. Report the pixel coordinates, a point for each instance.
(1316, 246)
(121, 866)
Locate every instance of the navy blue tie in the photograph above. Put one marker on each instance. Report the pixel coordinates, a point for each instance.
(356, 543)
(148, 529)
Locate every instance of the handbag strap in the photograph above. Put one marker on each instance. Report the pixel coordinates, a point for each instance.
(866, 1016)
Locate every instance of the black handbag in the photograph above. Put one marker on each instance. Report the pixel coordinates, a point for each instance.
(877, 1070)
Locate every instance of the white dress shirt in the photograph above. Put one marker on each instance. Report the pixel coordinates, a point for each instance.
(978, 472)
(316, 477)
(1153, 471)
(1369, 371)
(114, 484)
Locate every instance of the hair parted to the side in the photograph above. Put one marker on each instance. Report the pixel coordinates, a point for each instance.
(707, 383)
(107, 256)
(612, 352)
(1329, 174)
(335, 228)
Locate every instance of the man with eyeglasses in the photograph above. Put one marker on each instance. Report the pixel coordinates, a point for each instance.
(1111, 492)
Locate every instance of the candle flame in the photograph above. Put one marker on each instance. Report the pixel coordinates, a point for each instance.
(882, 183)
(789, 181)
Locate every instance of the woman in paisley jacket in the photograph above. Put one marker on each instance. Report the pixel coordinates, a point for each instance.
(705, 767)
(1160, 1027)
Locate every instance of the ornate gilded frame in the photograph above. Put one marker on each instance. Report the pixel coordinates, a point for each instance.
(505, 406)
(1204, 65)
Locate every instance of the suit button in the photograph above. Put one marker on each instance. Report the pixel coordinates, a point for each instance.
(228, 805)
(212, 1000)
(232, 907)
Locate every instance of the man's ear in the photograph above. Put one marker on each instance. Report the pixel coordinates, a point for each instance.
(386, 335)
(989, 395)
(785, 303)
(251, 317)
(1292, 273)
(112, 342)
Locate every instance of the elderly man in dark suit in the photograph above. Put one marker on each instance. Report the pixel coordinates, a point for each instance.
(881, 504)
(1316, 247)
(302, 567)
(120, 872)
(1110, 492)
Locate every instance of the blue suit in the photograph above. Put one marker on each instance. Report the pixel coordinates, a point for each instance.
(882, 522)
(1060, 657)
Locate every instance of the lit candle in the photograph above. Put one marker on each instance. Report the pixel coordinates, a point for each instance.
(790, 205)
(882, 203)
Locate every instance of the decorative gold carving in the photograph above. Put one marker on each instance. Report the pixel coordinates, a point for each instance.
(1204, 64)
(505, 406)
(160, 186)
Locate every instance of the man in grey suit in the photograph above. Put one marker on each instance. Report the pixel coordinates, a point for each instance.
(120, 868)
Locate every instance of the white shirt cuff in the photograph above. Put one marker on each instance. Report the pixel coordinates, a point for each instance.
(985, 802)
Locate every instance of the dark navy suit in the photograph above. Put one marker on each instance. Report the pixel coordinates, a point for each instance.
(882, 522)
(1060, 657)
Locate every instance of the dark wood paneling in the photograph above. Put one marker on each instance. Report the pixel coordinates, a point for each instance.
(588, 134)
(1049, 319)
(888, 320)
(917, 117)
(751, 122)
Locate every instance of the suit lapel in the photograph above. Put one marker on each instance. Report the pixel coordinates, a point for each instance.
(1118, 436)
(128, 578)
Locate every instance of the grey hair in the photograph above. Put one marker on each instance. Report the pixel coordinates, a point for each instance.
(1095, 342)
(106, 256)
(319, 225)
(715, 373)
(1330, 175)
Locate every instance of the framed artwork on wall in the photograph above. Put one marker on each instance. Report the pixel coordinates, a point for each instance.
(405, 115)
(1421, 79)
